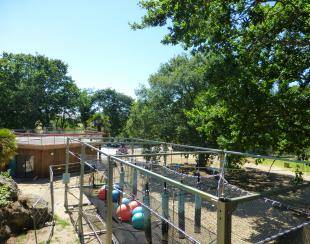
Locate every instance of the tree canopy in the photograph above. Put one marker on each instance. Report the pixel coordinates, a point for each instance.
(34, 88)
(255, 79)
(115, 105)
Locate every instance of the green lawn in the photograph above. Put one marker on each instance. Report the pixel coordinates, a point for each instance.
(289, 166)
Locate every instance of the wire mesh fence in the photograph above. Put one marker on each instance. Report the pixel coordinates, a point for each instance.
(42, 218)
(186, 217)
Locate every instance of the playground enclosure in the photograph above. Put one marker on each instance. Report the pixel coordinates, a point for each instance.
(181, 203)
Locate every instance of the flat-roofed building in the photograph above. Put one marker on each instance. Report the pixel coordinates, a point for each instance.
(36, 152)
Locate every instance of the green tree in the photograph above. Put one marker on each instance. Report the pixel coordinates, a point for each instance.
(160, 109)
(257, 69)
(101, 122)
(34, 88)
(85, 106)
(8, 147)
(114, 105)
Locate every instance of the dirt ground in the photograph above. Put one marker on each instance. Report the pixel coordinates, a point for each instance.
(252, 221)
(63, 231)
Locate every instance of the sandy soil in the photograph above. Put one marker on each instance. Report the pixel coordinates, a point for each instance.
(63, 231)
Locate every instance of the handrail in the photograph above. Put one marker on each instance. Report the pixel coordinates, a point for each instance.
(189, 189)
(206, 149)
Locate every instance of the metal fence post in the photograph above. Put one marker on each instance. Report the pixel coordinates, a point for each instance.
(181, 212)
(134, 181)
(66, 172)
(224, 213)
(80, 217)
(221, 184)
(34, 225)
(147, 214)
(197, 227)
(109, 202)
(52, 190)
(122, 177)
(165, 213)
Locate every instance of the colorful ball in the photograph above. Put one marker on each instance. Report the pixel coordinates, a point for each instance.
(102, 194)
(138, 209)
(115, 195)
(138, 221)
(125, 201)
(123, 212)
(133, 204)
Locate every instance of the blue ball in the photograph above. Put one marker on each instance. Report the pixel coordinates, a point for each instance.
(115, 195)
(125, 201)
(138, 221)
(137, 210)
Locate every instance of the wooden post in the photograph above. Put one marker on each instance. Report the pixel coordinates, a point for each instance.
(147, 214)
(165, 214)
(224, 212)
(181, 212)
(80, 217)
(197, 227)
(109, 202)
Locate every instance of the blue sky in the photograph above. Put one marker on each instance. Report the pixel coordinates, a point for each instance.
(93, 37)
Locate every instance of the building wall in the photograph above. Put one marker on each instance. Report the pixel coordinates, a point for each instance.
(44, 157)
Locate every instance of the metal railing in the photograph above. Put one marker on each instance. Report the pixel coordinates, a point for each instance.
(225, 206)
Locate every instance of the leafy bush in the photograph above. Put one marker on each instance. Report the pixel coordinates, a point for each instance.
(6, 174)
(7, 147)
(4, 196)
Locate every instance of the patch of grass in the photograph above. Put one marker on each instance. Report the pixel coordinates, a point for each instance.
(289, 166)
(21, 239)
(62, 222)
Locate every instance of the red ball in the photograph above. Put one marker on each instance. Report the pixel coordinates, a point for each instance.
(133, 204)
(102, 194)
(123, 212)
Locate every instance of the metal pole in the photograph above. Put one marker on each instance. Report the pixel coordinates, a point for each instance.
(134, 181)
(122, 177)
(66, 173)
(197, 228)
(109, 202)
(224, 212)
(80, 217)
(192, 190)
(52, 189)
(221, 184)
(181, 213)
(165, 213)
(35, 226)
(147, 214)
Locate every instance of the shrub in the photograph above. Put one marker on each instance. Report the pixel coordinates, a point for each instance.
(7, 147)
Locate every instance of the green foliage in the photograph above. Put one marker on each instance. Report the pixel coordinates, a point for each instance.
(116, 106)
(298, 176)
(255, 92)
(159, 112)
(61, 222)
(4, 196)
(35, 88)
(100, 122)
(85, 106)
(6, 174)
(8, 147)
